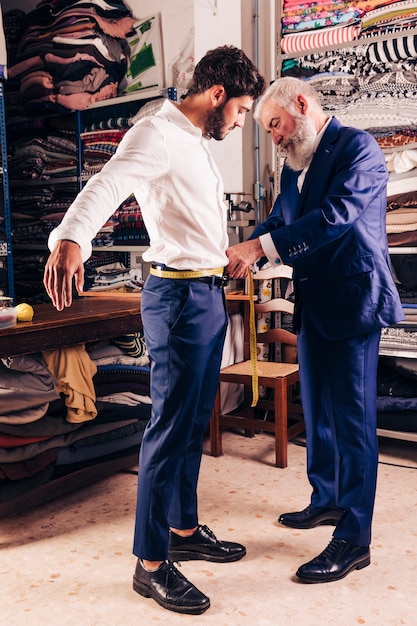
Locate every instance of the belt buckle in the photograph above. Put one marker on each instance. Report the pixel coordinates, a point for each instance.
(224, 280)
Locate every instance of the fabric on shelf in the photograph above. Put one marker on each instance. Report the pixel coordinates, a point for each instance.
(298, 42)
(401, 220)
(74, 371)
(390, 12)
(29, 450)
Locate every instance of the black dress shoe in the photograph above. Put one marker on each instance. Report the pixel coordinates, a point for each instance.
(311, 517)
(203, 546)
(335, 562)
(170, 589)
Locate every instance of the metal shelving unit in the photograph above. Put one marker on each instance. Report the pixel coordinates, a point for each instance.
(6, 257)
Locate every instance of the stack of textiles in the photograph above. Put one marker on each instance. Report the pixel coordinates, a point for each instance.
(42, 151)
(308, 25)
(98, 147)
(112, 277)
(71, 53)
(52, 424)
(101, 136)
(397, 387)
(130, 228)
(372, 84)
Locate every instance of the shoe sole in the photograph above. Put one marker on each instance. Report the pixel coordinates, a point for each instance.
(326, 522)
(147, 592)
(328, 579)
(182, 555)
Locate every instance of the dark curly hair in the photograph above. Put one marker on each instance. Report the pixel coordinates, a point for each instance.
(230, 67)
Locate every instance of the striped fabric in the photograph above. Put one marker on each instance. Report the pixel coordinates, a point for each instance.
(393, 50)
(298, 42)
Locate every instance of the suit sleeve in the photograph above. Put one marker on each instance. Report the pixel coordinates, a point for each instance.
(272, 222)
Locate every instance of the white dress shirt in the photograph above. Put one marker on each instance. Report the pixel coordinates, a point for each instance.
(164, 160)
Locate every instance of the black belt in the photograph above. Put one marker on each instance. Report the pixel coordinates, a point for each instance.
(203, 276)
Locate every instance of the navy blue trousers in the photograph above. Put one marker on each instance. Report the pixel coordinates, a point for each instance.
(338, 387)
(184, 325)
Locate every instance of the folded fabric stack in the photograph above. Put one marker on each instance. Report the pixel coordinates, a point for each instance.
(397, 383)
(372, 85)
(52, 425)
(98, 147)
(42, 149)
(130, 228)
(308, 25)
(71, 53)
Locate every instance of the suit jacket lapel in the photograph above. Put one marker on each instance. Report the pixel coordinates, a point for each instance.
(324, 149)
(290, 195)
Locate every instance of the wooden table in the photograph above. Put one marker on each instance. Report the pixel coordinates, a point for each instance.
(87, 319)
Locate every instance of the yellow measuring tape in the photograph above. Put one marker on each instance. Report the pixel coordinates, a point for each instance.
(252, 341)
(184, 274)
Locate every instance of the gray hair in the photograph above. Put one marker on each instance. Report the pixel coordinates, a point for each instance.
(284, 92)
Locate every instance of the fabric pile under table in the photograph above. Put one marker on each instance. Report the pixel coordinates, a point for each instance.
(41, 441)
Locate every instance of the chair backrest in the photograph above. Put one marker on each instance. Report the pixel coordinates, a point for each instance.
(286, 340)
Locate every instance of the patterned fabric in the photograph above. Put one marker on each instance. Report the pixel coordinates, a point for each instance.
(393, 49)
(323, 37)
(133, 344)
(386, 14)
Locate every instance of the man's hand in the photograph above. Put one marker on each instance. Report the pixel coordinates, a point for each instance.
(64, 264)
(241, 256)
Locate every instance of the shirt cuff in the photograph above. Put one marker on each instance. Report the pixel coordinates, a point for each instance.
(60, 233)
(269, 249)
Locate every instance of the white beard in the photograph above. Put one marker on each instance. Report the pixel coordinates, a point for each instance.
(300, 145)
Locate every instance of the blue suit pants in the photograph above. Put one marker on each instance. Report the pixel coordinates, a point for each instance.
(184, 325)
(338, 389)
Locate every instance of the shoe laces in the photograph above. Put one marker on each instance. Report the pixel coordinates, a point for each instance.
(209, 533)
(332, 548)
(172, 571)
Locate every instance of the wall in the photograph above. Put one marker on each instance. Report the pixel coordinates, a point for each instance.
(243, 155)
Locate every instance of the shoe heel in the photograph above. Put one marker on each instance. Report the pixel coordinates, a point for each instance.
(364, 563)
(140, 588)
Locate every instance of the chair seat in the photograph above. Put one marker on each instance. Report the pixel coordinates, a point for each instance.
(266, 369)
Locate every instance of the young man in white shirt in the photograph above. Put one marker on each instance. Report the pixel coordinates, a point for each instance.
(165, 161)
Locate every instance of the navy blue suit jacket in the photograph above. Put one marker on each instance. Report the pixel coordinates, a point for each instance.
(334, 236)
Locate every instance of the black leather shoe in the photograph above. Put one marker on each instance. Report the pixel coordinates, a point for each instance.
(203, 546)
(170, 589)
(335, 562)
(311, 517)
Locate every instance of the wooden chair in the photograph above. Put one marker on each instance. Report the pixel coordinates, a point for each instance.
(279, 377)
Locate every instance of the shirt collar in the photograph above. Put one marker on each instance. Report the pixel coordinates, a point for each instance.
(175, 115)
(320, 134)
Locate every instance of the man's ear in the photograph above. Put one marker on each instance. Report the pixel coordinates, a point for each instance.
(302, 104)
(218, 95)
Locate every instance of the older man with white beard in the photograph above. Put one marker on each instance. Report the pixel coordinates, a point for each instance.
(328, 223)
